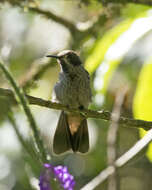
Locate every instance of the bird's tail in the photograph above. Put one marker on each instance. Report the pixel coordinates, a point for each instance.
(64, 140)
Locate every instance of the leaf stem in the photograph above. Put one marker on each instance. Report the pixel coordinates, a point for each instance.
(27, 111)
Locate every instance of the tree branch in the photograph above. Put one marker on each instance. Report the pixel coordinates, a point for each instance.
(68, 24)
(35, 72)
(133, 151)
(105, 115)
(75, 31)
(72, 28)
(113, 181)
(48, 14)
(24, 103)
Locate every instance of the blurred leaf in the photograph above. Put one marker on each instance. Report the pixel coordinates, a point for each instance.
(103, 44)
(104, 74)
(132, 10)
(111, 49)
(142, 104)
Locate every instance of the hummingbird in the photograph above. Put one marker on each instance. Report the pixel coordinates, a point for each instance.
(72, 90)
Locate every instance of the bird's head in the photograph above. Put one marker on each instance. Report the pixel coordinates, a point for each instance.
(67, 57)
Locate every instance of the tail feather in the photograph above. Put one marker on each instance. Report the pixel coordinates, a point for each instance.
(63, 140)
(83, 135)
(80, 140)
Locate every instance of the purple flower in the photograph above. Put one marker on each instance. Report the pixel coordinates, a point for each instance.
(58, 173)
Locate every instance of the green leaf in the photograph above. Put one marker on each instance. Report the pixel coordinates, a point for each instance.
(104, 74)
(110, 50)
(132, 10)
(103, 44)
(142, 103)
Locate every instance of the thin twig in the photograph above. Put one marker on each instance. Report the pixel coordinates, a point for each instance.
(72, 28)
(112, 137)
(34, 74)
(105, 115)
(27, 111)
(75, 31)
(48, 14)
(119, 162)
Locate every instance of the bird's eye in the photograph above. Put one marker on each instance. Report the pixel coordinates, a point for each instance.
(67, 57)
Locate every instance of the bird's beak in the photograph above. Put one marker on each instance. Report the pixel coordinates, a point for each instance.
(53, 56)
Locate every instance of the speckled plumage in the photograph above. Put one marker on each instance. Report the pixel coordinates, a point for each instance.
(73, 88)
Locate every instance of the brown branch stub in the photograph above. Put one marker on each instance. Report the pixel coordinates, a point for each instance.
(105, 115)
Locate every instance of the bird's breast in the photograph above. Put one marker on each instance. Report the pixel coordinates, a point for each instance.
(73, 89)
